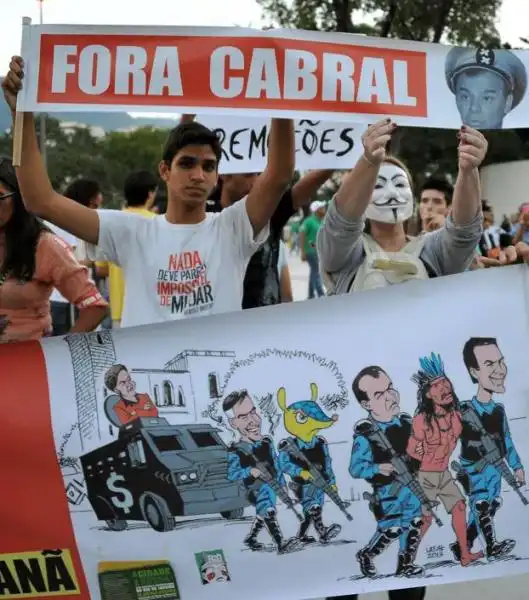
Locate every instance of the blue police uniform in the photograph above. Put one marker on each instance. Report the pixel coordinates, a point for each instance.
(242, 458)
(484, 486)
(317, 453)
(314, 453)
(397, 509)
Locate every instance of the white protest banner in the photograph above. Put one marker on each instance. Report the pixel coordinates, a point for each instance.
(283, 73)
(216, 451)
(319, 144)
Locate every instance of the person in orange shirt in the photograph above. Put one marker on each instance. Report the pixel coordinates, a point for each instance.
(130, 405)
(34, 261)
(140, 192)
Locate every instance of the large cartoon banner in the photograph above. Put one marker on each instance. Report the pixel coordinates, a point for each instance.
(319, 144)
(348, 444)
(283, 73)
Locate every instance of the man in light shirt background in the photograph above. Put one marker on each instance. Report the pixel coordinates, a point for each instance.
(140, 193)
(88, 193)
(62, 312)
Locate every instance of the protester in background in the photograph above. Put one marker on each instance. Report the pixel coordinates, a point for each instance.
(522, 252)
(506, 224)
(496, 246)
(295, 226)
(434, 204)
(285, 281)
(186, 263)
(261, 282)
(213, 202)
(262, 286)
(32, 262)
(379, 189)
(309, 253)
(140, 193)
(87, 192)
(514, 218)
(62, 312)
(520, 230)
(160, 206)
(494, 239)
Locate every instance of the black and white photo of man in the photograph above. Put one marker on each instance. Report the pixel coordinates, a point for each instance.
(487, 84)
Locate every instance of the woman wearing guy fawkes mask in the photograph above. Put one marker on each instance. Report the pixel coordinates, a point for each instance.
(362, 243)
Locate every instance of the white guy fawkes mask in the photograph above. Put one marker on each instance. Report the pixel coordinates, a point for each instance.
(392, 199)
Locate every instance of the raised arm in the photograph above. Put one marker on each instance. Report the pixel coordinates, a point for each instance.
(452, 248)
(343, 224)
(270, 186)
(304, 190)
(357, 186)
(35, 186)
(466, 204)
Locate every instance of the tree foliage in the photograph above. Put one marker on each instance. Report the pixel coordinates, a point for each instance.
(459, 22)
(455, 21)
(75, 151)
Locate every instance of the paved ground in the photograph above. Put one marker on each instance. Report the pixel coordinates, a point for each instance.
(299, 273)
(513, 588)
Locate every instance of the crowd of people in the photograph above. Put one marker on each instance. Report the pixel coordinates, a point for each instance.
(69, 265)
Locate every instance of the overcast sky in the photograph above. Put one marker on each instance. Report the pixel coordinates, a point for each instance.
(511, 24)
(246, 13)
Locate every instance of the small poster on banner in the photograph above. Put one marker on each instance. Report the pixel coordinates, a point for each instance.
(154, 580)
(212, 566)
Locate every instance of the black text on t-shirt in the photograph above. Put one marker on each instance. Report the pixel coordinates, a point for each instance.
(184, 286)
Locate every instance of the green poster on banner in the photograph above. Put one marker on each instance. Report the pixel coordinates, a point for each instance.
(212, 566)
(138, 581)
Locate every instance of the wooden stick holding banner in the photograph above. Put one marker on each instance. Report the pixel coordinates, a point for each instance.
(18, 132)
(18, 129)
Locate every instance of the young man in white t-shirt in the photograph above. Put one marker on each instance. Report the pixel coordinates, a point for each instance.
(184, 263)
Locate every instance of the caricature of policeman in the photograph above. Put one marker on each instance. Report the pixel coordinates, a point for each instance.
(487, 84)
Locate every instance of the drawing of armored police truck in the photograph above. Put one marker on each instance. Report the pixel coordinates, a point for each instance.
(155, 471)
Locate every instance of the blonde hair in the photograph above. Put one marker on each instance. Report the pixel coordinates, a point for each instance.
(393, 160)
(410, 225)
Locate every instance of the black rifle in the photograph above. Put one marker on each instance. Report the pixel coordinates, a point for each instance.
(491, 454)
(316, 478)
(403, 475)
(268, 478)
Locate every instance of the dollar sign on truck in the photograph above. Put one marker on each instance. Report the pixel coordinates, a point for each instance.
(124, 499)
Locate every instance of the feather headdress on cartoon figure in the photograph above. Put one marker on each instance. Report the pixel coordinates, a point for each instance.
(432, 368)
